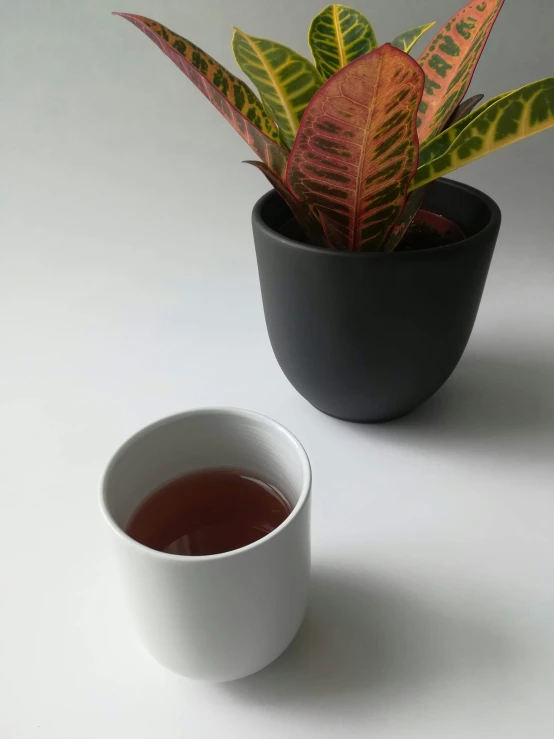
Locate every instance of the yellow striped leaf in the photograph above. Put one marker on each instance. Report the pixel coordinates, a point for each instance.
(337, 36)
(405, 41)
(285, 80)
(508, 119)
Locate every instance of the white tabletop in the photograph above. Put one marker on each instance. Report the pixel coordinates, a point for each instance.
(128, 291)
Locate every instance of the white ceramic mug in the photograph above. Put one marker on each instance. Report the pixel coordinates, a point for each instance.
(222, 616)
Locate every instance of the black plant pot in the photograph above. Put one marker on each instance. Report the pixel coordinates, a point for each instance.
(370, 336)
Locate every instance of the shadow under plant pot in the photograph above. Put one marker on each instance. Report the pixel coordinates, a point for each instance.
(369, 336)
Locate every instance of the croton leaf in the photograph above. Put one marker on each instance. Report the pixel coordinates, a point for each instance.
(285, 80)
(356, 149)
(307, 220)
(337, 36)
(402, 224)
(405, 41)
(511, 117)
(449, 231)
(434, 148)
(230, 95)
(450, 60)
(463, 109)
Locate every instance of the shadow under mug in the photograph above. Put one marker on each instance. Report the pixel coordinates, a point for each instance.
(222, 616)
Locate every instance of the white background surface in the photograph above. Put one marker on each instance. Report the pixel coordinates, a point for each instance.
(128, 291)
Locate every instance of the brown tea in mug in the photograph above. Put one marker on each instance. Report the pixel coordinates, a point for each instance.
(208, 512)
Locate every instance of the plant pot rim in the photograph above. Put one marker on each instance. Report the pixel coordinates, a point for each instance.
(487, 231)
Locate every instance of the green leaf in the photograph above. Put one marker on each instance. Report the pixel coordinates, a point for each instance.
(450, 60)
(434, 148)
(337, 36)
(230, 95)
(307, 220)
(285, 80)
(356, 149)
(511, 117)
(405, 41)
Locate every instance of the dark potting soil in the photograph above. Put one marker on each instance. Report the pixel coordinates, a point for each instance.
(419, 236)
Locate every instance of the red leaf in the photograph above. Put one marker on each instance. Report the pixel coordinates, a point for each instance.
(230, 95)
(446, 228)
(450, 60)
(356, 149)
(402, 224)
(306, 219)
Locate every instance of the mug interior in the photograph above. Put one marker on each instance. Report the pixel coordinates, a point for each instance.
(198, 440)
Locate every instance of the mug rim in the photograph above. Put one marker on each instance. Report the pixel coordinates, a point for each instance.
(215, 410)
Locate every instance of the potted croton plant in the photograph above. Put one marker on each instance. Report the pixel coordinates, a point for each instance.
(371, 267)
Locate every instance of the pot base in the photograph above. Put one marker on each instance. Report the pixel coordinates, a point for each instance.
(369, 421)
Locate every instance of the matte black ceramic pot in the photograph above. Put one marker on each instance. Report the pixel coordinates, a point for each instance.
(370, 336)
